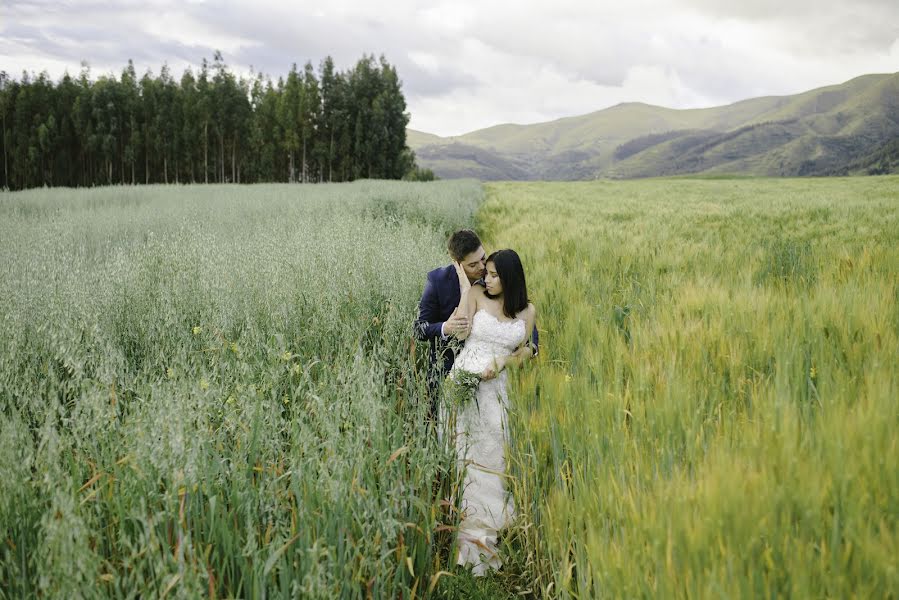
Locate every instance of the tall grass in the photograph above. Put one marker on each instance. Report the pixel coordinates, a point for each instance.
(714, 413)
(209, 391)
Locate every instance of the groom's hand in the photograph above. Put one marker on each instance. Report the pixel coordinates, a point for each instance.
(493, 370)
(524, 352)
(456, 324)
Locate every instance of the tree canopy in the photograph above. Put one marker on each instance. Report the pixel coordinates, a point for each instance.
(208, 127)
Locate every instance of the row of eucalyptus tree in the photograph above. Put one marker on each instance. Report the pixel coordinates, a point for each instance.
(210, 126)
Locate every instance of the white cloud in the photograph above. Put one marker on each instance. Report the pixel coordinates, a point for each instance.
(448, 18)
(428, 62)
(187, 30)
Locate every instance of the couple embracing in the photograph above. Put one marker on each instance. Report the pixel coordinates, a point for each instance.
(476, 316)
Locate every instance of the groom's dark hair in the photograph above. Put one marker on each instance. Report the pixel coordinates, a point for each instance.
(511, 276)
(462, 243)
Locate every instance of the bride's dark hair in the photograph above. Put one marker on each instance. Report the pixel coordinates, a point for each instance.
(511, 276)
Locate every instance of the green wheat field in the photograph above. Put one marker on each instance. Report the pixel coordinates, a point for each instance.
(213, 391)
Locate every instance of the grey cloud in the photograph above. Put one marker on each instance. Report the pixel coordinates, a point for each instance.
(283, 41)
(816, 25)
(417, 81)
(778, 9)
(605, 63)
(101, 49)
(106, 39)
(574, 43)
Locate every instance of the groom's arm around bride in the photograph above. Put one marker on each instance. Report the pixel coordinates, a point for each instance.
(438, 320)
(439, 323)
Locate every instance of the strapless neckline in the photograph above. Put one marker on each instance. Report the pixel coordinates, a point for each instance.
(512, 322)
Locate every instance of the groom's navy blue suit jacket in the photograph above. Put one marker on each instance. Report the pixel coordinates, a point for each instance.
(438, 301)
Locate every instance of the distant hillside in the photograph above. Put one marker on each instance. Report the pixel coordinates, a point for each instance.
(848, 128)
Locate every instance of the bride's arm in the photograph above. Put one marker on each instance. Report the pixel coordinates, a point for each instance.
(468, 303)
(523, 352)
(520, 355)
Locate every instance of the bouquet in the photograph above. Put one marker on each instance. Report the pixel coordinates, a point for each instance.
(462, 387)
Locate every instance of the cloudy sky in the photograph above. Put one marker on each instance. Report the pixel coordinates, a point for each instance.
(468, 64)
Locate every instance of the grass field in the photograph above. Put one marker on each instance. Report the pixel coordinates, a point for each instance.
(210, 391)
(715, 409)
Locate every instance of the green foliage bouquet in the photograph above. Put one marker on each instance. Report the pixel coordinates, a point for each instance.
(461, 388)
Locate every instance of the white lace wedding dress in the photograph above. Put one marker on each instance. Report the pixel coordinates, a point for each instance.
(481, 431)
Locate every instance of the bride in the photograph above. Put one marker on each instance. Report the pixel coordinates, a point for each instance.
(501, 319)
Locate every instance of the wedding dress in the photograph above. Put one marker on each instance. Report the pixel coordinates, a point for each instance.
(481, 432)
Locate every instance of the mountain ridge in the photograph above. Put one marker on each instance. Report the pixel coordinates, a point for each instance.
(827, 130)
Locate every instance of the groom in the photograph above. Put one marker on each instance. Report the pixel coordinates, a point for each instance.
(438, 323)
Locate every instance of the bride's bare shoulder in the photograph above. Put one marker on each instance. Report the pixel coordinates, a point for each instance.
(528, 313)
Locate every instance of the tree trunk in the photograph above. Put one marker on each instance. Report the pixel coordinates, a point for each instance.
(304, 159)
(222, 155)
(290, 174)
(165, 168)
(331, 159)
(206, 152)
(5, 166)
(234, 161)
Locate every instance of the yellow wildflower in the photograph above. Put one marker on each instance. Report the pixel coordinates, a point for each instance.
(197, 330)
(204, 385)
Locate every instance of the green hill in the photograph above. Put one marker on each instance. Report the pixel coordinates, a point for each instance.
(836, 129)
